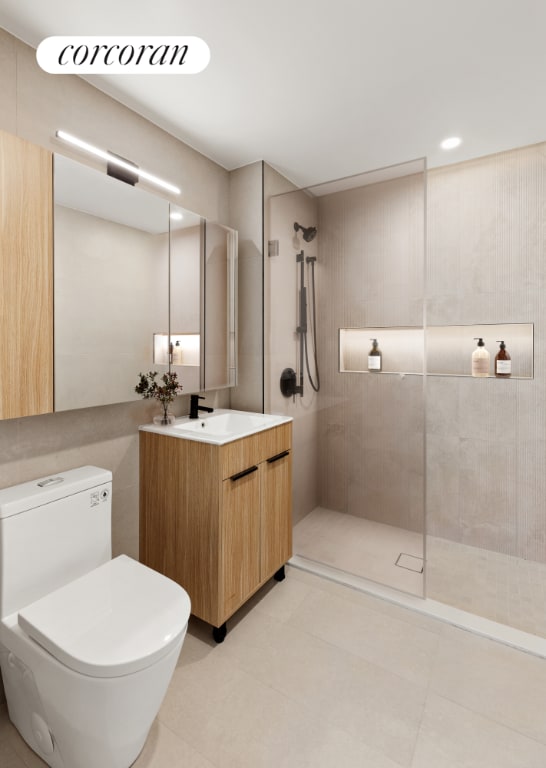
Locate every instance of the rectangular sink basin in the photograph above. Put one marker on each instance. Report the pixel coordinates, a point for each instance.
(221, 426)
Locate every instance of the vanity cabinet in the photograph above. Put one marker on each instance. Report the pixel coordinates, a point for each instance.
(217, 518)
(26, 279)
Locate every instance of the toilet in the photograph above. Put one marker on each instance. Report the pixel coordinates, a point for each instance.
(88, 645)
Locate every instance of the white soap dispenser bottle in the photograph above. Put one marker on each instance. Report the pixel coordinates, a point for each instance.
(480, 359)
(177, 353)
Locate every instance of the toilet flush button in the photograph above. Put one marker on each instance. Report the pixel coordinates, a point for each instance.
(42, 734)
(50, 481)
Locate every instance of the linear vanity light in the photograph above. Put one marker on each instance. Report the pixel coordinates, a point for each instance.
(115, 160)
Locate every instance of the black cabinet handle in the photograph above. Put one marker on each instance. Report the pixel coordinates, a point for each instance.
(278, 456)
(245, 472)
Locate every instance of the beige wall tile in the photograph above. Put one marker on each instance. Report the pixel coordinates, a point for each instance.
(8, 81)
(246, 215)
(488, 495)
(282, 276)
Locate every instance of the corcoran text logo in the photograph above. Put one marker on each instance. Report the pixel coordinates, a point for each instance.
(123, 55)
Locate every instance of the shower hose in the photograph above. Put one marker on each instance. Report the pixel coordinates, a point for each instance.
(315, 384)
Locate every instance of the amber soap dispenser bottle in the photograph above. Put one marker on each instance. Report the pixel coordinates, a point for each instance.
(503, 362)
(374, 358)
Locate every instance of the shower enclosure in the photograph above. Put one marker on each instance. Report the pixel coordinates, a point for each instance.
(422, 464)
(359, 466)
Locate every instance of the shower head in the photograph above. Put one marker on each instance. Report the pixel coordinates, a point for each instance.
(309, 233)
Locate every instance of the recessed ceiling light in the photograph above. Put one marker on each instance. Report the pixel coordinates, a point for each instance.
(176, 216)
(451, 143)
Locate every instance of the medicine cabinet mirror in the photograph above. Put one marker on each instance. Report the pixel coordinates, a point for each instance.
(130, 287)
(219, 308)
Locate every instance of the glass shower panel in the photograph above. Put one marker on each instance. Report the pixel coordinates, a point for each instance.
(486, 447)
(359, 500)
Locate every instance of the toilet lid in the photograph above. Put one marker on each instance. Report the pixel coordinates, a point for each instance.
(115, 620)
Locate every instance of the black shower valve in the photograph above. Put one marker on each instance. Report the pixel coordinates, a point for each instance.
(288, 382)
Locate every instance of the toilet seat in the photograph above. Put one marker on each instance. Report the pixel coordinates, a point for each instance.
(116, 620)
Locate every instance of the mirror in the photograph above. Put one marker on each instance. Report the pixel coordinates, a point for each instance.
(201, 253)
(111, 285)
(219, 315)
(186, 280)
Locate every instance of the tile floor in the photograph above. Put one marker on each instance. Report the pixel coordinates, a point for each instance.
(313, 673)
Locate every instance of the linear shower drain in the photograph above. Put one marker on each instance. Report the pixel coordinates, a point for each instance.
(410, 562)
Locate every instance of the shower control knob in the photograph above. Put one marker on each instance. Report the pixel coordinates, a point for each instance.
(288, 382)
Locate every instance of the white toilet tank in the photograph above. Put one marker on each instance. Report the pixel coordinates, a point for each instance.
(51, 532)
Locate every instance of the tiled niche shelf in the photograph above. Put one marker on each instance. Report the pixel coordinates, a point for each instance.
(164, 349)
(448, 348)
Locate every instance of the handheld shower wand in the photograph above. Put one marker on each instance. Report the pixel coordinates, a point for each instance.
(289, 387)
(302, 327)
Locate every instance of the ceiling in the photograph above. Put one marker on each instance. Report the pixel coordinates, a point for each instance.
(323, 89)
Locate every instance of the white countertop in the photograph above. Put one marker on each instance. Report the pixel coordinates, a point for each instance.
(219, 427)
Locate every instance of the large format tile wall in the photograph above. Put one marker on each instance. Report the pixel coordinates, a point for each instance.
(250, 190)
(246, 216)
(360, 439)
(282, 281)
(33, 106)
(371, 428)
(486, 438)
(486, 444)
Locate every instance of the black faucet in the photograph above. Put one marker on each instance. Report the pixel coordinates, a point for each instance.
(195, 407)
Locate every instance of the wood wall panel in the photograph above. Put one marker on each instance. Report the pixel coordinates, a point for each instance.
(26, 279)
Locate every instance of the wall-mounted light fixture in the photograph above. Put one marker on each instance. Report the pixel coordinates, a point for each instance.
(131, 169)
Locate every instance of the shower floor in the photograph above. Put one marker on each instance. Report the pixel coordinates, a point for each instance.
(499, 587)
(362, 547)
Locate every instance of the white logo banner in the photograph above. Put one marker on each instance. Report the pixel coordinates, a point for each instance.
(80, 55)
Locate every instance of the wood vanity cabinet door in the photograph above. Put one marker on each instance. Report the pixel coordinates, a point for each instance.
(224, 530)
(276, 528)
(240, 540)
(26, 278)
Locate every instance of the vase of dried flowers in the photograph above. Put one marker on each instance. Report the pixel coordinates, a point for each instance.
(165, 393)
